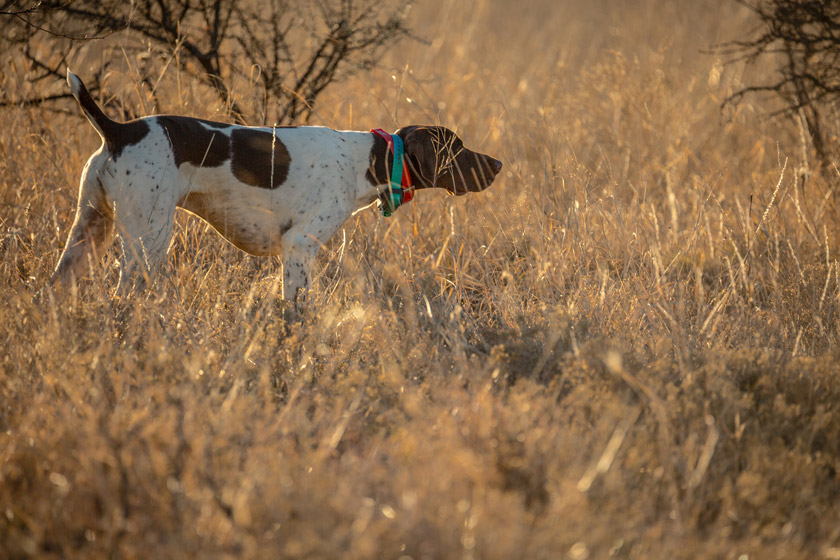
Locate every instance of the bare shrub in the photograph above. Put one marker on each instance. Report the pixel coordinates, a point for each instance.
(800, 37)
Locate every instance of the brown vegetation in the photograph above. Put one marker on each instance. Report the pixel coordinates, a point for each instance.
(626, 348)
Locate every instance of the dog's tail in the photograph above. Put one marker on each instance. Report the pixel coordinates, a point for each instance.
(106, 127)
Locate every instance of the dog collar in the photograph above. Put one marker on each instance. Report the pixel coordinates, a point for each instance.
(400, 189)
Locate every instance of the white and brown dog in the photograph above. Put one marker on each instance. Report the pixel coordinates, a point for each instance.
(268, 190)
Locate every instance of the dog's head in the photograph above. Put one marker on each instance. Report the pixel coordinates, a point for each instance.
(436, 157)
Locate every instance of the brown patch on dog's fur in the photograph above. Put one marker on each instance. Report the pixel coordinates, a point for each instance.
(377, 173)
(252, 157)
(192, 142)
(124, 135)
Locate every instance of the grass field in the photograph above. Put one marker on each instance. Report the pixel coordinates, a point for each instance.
(626, 348)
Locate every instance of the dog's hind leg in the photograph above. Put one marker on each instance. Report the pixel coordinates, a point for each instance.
(144, 242)
(89, 237)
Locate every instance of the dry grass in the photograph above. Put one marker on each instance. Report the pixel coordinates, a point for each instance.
(626, 348)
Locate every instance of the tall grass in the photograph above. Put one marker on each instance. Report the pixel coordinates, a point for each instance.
(625, 348)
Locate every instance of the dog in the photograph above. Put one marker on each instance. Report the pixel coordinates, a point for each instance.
(267, 190)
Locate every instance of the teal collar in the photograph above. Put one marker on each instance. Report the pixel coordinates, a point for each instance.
(400, 189)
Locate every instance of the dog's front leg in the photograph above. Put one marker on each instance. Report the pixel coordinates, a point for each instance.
(297, 271)
(301, 244)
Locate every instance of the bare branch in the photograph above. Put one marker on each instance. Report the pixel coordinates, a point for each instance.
(299, 47)
(803, 37)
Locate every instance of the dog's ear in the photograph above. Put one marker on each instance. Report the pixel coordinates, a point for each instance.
(420, 154)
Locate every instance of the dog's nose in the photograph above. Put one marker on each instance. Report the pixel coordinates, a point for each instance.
(497, 165)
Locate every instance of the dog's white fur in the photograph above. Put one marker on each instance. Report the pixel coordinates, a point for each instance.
(132, 185)
(144, 186)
